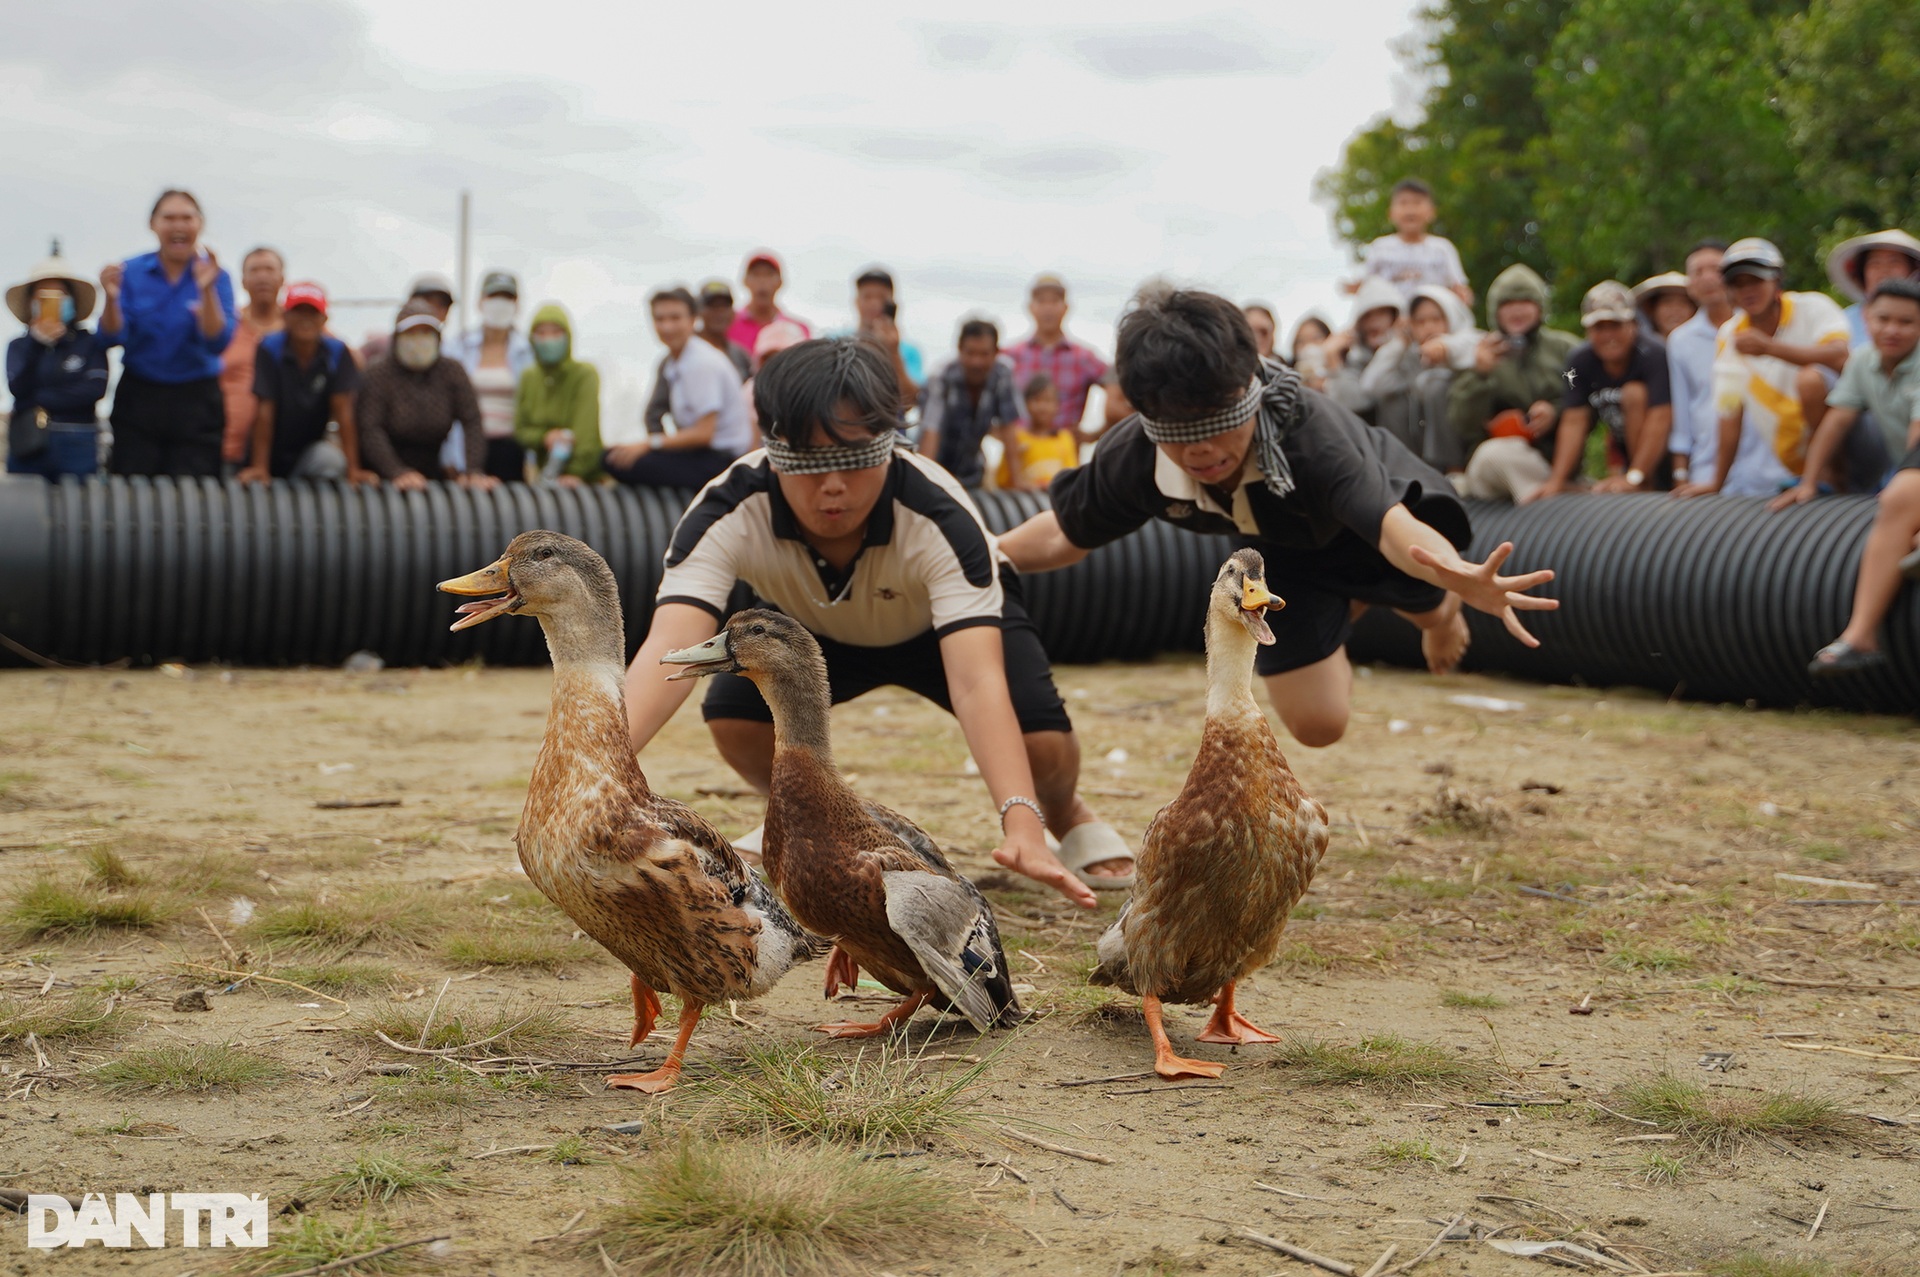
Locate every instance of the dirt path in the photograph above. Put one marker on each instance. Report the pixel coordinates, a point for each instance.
(1650, 838)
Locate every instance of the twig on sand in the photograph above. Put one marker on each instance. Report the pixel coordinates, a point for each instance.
(351, 1260)
(1839, 984)
(606, 1259)
(1851, 1050)
(265, 979)
(1062, 1149)
(1432, 1246)
(451, 1050)
(432, 1010)
(1172, 1090)
(1379, 1265)
(517, 1148)
(564, 1228)
(1819, 1219)
(1287, 1192)
(1095, 1081)
(225, 948)
(1300, 1253)
(1004, 1165)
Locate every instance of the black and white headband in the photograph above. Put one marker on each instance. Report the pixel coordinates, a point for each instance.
(787, 459)
(1206, 427)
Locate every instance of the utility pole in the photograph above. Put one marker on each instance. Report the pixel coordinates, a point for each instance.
(466, 278)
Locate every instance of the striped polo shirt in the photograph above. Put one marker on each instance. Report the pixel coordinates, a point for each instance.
(927, 562)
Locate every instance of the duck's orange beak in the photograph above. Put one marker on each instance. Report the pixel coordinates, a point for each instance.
(491, 579)
(1255, 603)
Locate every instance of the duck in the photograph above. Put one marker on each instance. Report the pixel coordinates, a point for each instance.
(850, 869)
(646, 877)
(1223, 864)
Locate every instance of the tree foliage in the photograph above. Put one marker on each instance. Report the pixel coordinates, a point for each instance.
(1852, 97)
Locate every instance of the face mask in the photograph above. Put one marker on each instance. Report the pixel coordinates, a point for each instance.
(498, 312)
(549, 350)
(66, 310)
(418, 351)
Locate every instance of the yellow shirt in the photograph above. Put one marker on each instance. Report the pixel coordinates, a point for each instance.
(1033, 459)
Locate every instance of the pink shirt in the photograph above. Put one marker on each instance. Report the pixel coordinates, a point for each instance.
(746, 329)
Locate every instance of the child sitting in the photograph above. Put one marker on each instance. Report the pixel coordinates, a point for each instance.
(1038, 448)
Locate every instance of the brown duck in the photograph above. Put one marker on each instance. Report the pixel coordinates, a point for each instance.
(1224, 863)
(645, 876)
(850, 869)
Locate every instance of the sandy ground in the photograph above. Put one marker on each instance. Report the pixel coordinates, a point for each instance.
(1668, 824)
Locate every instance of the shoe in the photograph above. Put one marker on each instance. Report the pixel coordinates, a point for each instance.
(1841, 657)
(1091, 843)
(750, 841)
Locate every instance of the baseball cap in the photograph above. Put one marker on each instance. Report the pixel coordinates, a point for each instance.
(1607, 300)
(497, 283)
(1753, 256)
(716, 290)
(1047, 279)
(430, 281)
(766, 255)
(305, 293)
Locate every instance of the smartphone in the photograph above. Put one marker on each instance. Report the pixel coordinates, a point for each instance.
(891, 310)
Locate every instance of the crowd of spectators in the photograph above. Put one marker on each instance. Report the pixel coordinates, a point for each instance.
(1712, 379)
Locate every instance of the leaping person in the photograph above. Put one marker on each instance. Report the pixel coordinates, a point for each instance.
(1345, 516)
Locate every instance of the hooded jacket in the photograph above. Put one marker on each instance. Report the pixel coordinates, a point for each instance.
(565, 396)
(1345, 383)
(1520, 379)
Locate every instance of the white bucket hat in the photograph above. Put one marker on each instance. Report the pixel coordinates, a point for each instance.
(20, 296)
(1843, 261)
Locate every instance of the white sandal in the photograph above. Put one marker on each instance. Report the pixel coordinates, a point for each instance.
(1091, 843)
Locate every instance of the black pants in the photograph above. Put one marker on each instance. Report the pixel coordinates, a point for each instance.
(166, 428)
(506, 459)
(672, 468)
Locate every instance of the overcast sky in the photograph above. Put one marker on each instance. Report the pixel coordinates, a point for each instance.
(611, 150)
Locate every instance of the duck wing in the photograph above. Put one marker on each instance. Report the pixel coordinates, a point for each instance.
(912, 837)
(748, 888)
(949, 926)
(1111, 949)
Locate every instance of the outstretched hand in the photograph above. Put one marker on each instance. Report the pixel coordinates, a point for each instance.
(1481, 586)
(1031, 856)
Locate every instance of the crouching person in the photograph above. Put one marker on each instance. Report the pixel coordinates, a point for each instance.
(883, 557)
(1345, 516)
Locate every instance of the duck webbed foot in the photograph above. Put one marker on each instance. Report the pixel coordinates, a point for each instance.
(901, 1013)
(842, 971)
(1228, 1026)
(1165, 1062)
(667, 1076)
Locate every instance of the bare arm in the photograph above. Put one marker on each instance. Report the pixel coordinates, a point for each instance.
(697, 435)
(1421, 551)
(259, 468)
(977, 684)
(1568, 446)
(1038, 545)
(651, 699)
(349, 437)
(1825, 442)
(1656, 427)
(1832, 354)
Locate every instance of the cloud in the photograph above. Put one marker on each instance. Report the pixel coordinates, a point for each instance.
(1148, 53)
(1041, 171)
(1078, 165)
(970, 47)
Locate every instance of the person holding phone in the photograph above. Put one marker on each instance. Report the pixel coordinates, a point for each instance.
(171, 311)
(1505, 408)
(56, 372)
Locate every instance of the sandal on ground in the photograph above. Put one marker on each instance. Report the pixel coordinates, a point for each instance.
(1091, 843)
(1841, 657)
(750, 841)
(1910, 566)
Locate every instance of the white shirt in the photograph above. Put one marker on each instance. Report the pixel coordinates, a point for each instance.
(1773, 427)
(928, 563)
(701, 380)
(1431, 260)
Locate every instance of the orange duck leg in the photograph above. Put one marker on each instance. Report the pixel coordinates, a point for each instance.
(1229, 1026)
(1165, 1062)
(900, 1014)
(842, 971)
(646, 1009)
(667, 1075)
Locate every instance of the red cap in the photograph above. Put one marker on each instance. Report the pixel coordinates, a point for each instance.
(766, 255)
(306, 293)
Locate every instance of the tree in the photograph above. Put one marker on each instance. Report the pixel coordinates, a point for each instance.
(1472, 142)
(1852, 98)
(1661, 130)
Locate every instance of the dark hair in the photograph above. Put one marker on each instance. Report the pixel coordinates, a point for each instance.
(1183, 353)
(1411, 186)
(1037, 385)
(873, 275)
(979, 328)
(830, 382)
(1264, 309)
(255, 252)
(1423, 297)
(1907, 289)
(1717, 245)
(168, 194)
(676, 294)
(1299, 329)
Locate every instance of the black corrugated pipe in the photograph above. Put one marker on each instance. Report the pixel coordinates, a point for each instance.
(1713, 599)
(152, 570)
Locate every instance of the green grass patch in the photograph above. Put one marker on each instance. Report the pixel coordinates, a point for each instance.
(518, 949)
(48, 909)
(312, 1241)
(880, 1097)
(703, 1209)
(1734, 988)
(1655, 958)
(1720, 1121)
(381, 1177)
(1084, 1003)
(108, 870)
(341, 924)
(1662, 1169)
(1385, 1062)
(190, 1066)
(336, 978)
(83, 1017)
(529, 1028)
(1463, 1000)
(1404, 1152)
(1825, 852)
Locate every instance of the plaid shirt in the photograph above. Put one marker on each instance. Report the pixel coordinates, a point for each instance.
(1074, 369)
(949, 410)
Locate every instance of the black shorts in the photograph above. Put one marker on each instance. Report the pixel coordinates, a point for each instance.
(1319, 587)
(916, 665)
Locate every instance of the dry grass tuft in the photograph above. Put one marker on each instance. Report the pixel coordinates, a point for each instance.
(46, 909)
(337, 978)
(394, 914)
(881, 1097)
(313, 1242)
(190, 1066)
(702, 1209)
(1460, 998)
(109, 871)
(381, 1177)
(1385, 1062)
(83, 1017)
(1719, 1121)
(530, 1029)
(516, 948)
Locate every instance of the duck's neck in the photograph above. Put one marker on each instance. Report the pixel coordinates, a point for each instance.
(1230, 652)
(587, 726)
(802, 715)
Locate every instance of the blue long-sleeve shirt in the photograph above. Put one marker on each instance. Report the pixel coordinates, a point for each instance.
(66, 379)
(161, 335)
